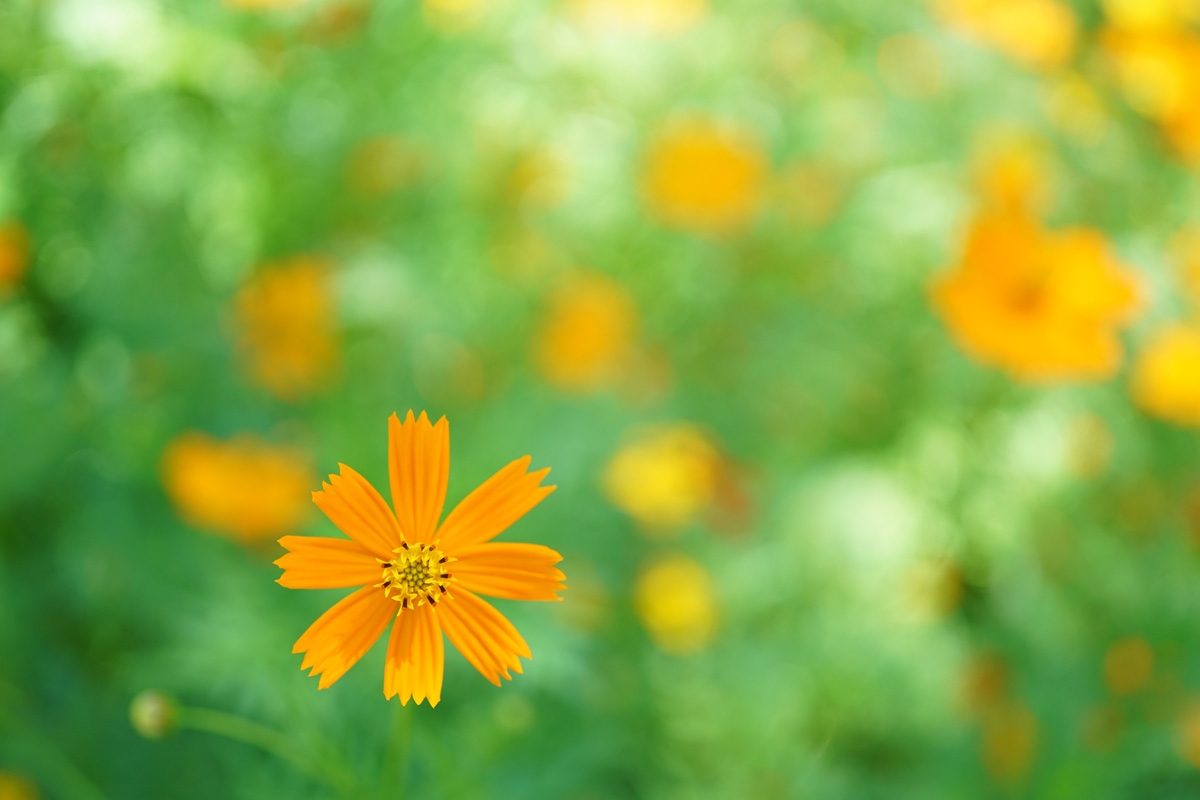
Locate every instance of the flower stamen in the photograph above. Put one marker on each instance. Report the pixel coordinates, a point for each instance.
(415, 575)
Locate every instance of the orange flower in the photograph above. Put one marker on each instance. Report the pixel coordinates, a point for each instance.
(705, 178)
(246, 488)
(1042, 305)
(1037, 33)
(425, 575)
(1166, 377)
(587, 336)
(14, 254)
(286, 327)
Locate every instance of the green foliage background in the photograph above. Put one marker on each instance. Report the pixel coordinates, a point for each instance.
(157, 158)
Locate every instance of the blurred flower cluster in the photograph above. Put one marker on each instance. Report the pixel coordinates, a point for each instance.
(863, 340)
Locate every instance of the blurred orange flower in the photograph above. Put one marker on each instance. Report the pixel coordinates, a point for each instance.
(244, 488)
(587, 336)
(16, 787)
(1166, 375)
(664, 477)
(1010, 735)
(1041, 305)
(425, 575)
(639, 16)
(14, 255)
(1128, 666)
(287, 328)
(1037, 33)
(676, 602)
(705, 177)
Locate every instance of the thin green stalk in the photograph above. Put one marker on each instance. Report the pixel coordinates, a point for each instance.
(251, 733)
(396, 757)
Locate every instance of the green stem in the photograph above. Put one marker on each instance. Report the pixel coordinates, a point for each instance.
(243, 730)
(396, 757)
(45, 760)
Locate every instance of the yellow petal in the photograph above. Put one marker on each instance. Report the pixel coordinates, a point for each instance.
(317, 562)
(483, 635)
(499, 502)
(419, 467)
(352, 503)
(511, 571)
(340, 636)
(415, 657)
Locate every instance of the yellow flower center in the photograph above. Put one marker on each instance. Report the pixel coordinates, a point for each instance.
(416, 575)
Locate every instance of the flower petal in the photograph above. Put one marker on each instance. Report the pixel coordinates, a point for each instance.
(419, 468)
(508, 570)
(318, 562)
(351, 503)
(483, 635)
(344, 633)
(499, 502)
(415, 657)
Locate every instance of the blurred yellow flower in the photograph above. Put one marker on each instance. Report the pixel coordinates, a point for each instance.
(453, 16)
(810, 193)
(14, 255)
(1012, 173)
(1158, 72)
(664, 477)
(16, 787)
(638, 16)
(1185, 252)
(244, 488)
(1102, 727)
(586, 337)
(536, 178)
(930, 590)
(1037, 33)
(381, 165)
(1128, 666)
(910, 66)
(1077, 109)
(1089, 445)
(264, 5)
(1010, 735)
(425, 575)
(1188, 734)
(286, 327)
(1151, 14)
(1041, 305)
(705, 177)
(1166, 375)
(984, 684)
(674, 598)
